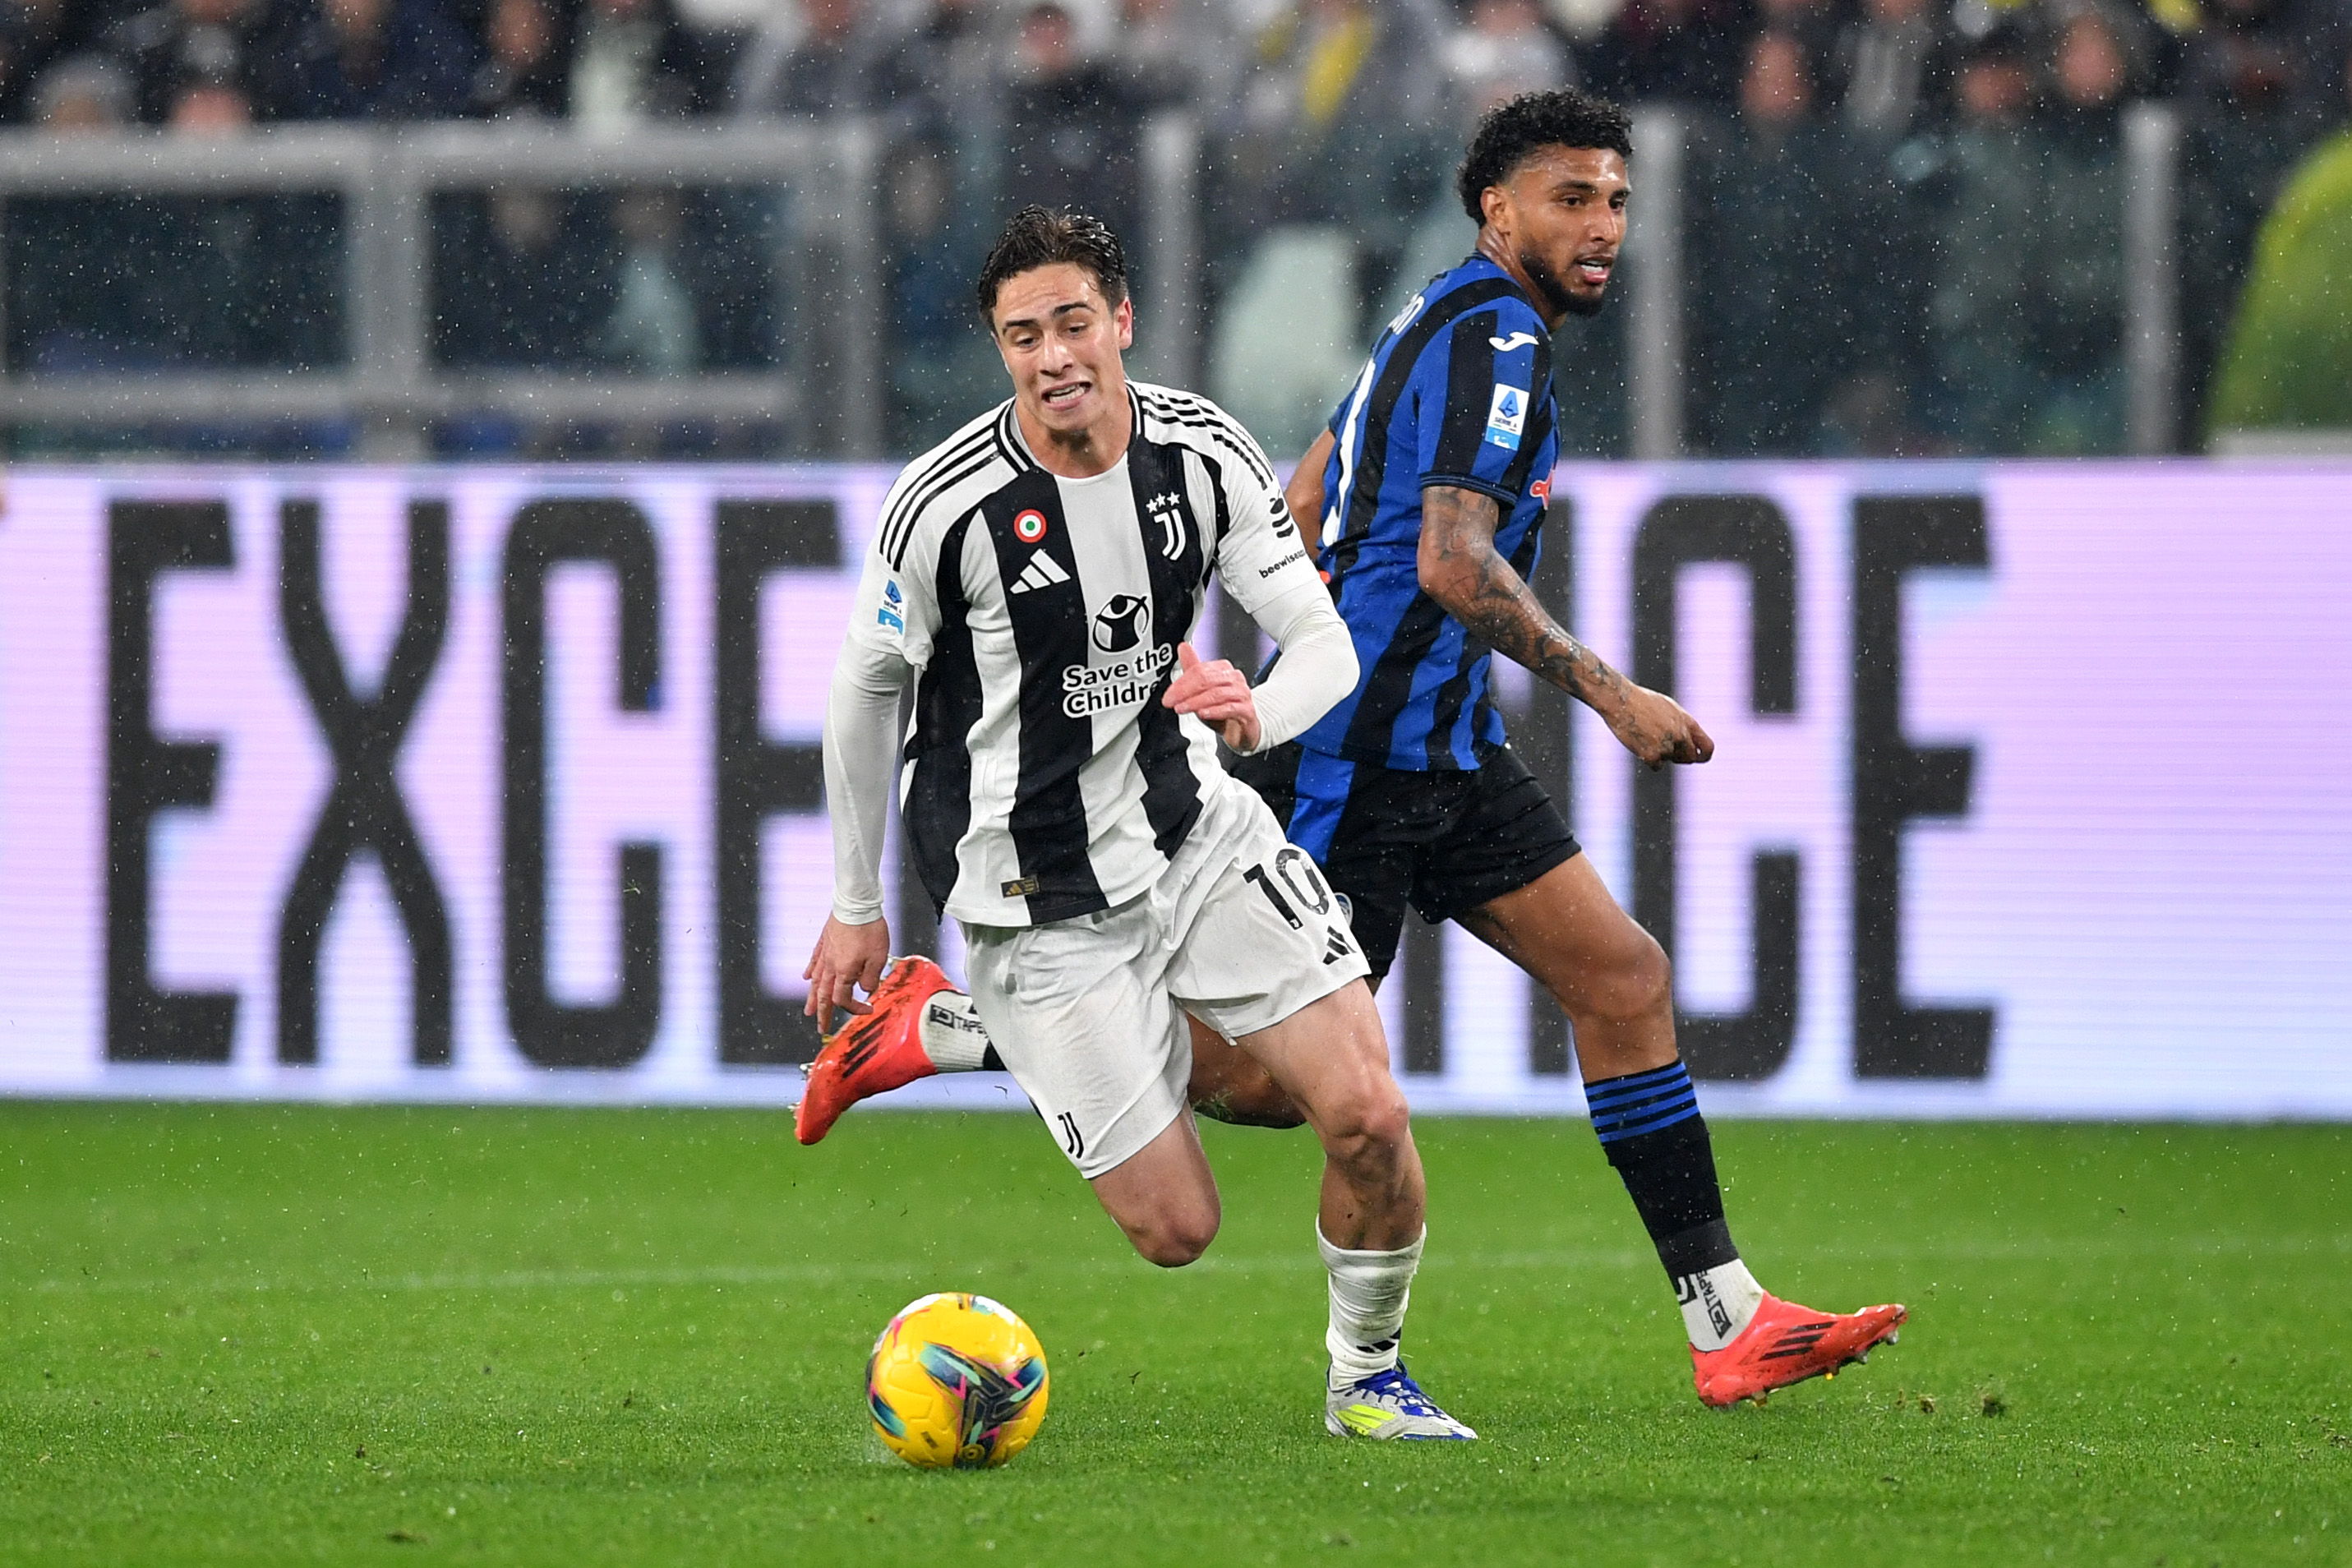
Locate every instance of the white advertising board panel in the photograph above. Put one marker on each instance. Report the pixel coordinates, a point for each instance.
(502, 784)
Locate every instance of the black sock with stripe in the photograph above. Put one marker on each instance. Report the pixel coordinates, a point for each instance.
(1650, 1127)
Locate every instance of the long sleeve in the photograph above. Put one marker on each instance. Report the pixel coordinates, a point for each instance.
(888, 639)
(1317, 666)
(1268, 572)
(861, 722)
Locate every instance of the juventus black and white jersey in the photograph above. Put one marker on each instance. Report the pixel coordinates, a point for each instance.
(1043, 778)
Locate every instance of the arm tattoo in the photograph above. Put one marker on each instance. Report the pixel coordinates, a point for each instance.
(1461, 571)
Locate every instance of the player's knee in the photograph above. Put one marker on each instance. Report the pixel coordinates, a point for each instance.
(1638, 986)
(1369, 1125)
(1173, 1239)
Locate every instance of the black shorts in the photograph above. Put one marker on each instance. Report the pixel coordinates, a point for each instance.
(1443, 843)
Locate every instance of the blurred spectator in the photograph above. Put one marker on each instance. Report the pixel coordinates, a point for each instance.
(1342, 121)
(210, 109)
(1179, 53)
(2074, 273)
(651, 329)
(1070, 128)
(833, 59)
(1815, 25)
(1892, 66)
(1981, 279)
(1681, 51)
(1173, 52)
(940, 360)
(521, 276)
(1769, 234)
(1504, 52)
(2267, 57)
(946, 71)
(522, 70)
(2254, 79)
(369, 59)
(633, 62)
(33, 34)
(221, 43)
(82, 92)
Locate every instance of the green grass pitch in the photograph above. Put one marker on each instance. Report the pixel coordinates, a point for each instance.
(279, 1335)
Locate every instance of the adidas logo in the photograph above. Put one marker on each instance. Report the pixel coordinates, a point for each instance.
(1337, 948)
(1042, 572)
(1798, 1340)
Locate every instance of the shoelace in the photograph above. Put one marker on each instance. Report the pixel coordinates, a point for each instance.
(1394, 1384)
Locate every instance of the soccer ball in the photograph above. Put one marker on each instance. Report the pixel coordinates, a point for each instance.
(956, 1380)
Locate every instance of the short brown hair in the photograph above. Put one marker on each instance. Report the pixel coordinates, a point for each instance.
(1512, 133)
(1041, 236)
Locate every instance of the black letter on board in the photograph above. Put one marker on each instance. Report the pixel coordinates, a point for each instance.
(1749, 531)
(1896, 782)
(364, 811)
(552, 1034)
(146, 775)
(757, 778)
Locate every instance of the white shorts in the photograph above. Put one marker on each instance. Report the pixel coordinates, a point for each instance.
(1241, 931)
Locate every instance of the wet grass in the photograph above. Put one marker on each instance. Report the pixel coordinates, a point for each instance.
(245, 1334)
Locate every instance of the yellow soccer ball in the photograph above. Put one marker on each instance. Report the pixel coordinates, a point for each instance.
(956, 1380)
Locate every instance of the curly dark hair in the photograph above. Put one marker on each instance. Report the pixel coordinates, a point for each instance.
(1041, 236)
(1511, 132)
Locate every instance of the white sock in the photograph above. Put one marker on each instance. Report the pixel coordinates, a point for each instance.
(952, 1035)
(1368, 1292)
(1718, 1303)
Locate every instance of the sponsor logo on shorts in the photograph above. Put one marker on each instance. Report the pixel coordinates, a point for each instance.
(1019, 887)
(1088, 690)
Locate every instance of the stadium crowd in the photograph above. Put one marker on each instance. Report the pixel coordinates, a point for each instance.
(1903, 218)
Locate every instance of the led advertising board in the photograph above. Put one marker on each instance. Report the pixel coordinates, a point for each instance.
(504, 784)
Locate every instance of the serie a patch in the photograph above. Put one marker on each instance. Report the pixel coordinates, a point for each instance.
(1507, 417)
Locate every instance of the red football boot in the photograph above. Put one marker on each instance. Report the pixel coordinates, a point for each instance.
(1786, 1344)
(873, 1052)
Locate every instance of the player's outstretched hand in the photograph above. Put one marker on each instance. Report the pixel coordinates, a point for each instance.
(1219, 694)
(847, 958)
(1654, 728)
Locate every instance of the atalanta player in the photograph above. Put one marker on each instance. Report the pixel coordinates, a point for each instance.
(1430, 485)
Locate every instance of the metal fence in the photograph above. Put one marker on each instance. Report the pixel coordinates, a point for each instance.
(809, 227)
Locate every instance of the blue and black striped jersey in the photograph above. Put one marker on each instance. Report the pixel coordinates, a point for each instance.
(1457, 391)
